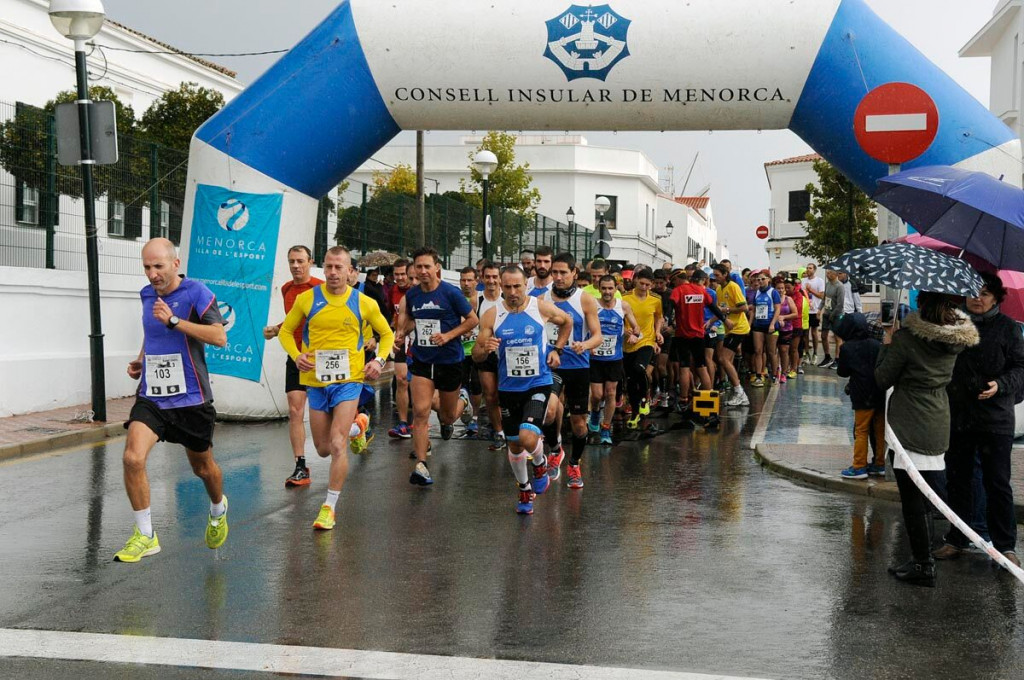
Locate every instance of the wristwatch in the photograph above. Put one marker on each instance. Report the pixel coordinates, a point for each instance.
(382, 361)
(173, 322)
(559, 350)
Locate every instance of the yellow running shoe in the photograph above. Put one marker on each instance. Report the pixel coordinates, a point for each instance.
(325, 520)
(137, 547)
(360, 443)
(217, 528)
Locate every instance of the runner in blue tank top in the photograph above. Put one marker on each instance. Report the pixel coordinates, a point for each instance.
(174, 403)
(435, 314)
(539, 284)
(515, 331)
(606, 368)
(575, 369)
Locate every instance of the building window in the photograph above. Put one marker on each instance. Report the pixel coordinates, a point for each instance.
(27, 204)
(162, 222)
(115, 218)
(799, 205)
(611, 215)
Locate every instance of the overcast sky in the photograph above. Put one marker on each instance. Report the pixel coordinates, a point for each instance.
(731, 162)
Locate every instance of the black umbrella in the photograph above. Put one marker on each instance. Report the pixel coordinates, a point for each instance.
(910, 267)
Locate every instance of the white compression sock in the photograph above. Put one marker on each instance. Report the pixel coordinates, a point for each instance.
(332, 498)
(218, 509)
(144, 521)
(538, 454)
(518, 462)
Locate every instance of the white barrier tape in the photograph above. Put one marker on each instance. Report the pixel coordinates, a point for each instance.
(929, 493)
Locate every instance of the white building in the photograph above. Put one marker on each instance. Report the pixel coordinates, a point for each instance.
(1000, 39)
(569, 172)
(790, 202)
(47, 366)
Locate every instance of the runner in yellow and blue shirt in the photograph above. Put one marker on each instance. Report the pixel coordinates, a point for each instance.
(332, 364)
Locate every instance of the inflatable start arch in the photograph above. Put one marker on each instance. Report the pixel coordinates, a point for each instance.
(258, 168)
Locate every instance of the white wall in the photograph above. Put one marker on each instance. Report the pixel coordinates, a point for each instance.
(45, 359)
(781, 243)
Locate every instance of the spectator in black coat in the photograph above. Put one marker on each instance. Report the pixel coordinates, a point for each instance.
(982, 394)
(857, 362)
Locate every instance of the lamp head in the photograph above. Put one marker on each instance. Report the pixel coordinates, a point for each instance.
(602, 204)
(77, 19)
(570, 215)
(485, 162)
(668, 228)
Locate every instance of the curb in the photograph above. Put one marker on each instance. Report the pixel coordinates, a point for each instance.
(885, 491)
(60, 441)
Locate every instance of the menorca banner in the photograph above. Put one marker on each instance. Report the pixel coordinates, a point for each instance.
(234, 239)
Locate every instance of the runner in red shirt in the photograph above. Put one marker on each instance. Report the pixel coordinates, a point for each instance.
(402, 284)
(300, 259)
(689, 300)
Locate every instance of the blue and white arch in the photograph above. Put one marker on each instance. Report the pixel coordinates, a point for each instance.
(374, 68)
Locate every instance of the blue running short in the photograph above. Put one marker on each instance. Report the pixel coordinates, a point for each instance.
(326, 398)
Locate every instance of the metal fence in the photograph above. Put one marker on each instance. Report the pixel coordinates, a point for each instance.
(42, 218)
(384, 220)
(142, 196)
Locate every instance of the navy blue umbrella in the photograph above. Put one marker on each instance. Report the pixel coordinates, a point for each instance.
(970, 210)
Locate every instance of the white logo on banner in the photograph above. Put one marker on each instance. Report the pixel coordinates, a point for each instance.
(587, 42)
(232, 215)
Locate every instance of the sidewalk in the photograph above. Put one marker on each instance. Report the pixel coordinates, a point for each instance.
(809, 438)
(47, 430)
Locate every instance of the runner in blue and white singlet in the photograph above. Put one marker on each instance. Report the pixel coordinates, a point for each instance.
(514, 330)
(606, 364)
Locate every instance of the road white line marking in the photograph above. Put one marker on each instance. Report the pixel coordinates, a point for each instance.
(766, 417)
(820, 400)
(900, 122)
(44, 644)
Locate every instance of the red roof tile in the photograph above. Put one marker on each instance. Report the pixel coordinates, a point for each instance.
(809, 158)
(170, 48)
(695, 202)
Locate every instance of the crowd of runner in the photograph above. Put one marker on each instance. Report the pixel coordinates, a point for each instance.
(540, 358)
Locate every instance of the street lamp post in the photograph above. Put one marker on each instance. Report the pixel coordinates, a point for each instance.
(81, 20)
(570, 219)
(604, 247)
(669, 228)
(485, 163)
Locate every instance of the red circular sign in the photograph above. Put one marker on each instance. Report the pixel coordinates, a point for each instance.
(762, 232)
(896, 123)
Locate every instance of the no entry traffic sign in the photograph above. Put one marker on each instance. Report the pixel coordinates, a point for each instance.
(896, 123)
(762, 232)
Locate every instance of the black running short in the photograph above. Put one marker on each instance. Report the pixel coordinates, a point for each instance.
(713, 343)
(576, 388)
(606, 371)
(523, 410)
(398, 353)
(734, 342)
(488, 365)
(642, 357)
(689, 352)
(291, 377)
(813, 320)
(190, 426)
(470, 378)
(446, 377)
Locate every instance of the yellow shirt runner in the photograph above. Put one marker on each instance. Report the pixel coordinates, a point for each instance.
(647, 312)
(335, 322)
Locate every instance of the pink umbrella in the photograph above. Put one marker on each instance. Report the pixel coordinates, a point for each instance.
(1013, 305)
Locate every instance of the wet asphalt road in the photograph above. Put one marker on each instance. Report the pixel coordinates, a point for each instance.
(680, 554)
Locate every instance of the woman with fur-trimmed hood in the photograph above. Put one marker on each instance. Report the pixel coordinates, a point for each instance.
(919, 365)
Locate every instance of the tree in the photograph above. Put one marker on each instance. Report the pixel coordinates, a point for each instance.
(25, 144)
(170, 122)
(173, 118)
(509, 185)
(399, 180)
(829, 231)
